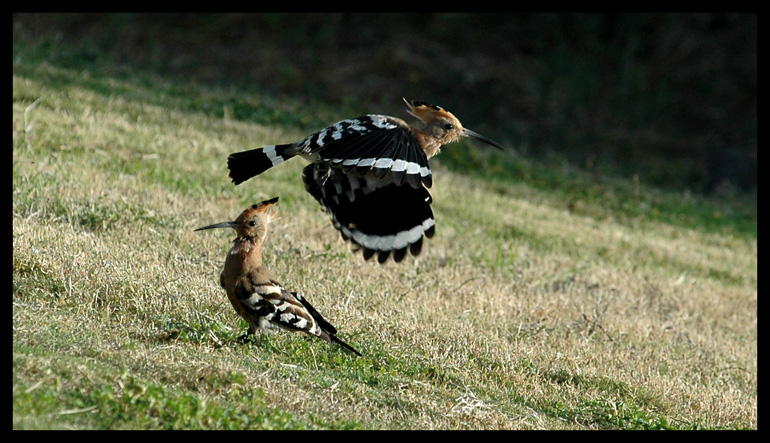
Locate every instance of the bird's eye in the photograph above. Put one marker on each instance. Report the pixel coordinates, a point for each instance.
(252, 223)
(448, 126)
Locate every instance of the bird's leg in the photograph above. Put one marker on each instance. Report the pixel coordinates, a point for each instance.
(250, 335)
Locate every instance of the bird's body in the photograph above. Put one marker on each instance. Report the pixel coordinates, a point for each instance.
(371, 174)
(255, 293)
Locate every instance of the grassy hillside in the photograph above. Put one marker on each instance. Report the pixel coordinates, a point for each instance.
(563, 305)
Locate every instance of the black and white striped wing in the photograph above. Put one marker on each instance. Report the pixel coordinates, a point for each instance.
(269, 306)
(322, 323)
(379, 144)
(328, 331)
(377, 216)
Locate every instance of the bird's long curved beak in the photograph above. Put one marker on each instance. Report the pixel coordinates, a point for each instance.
(229, 224)
(468, 133)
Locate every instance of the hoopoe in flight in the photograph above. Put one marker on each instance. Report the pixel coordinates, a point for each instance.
(253, 291)
(371, 174)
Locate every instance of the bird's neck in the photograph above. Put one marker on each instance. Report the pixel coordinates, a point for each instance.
(430, 144)
(245, 260)
(249, 250)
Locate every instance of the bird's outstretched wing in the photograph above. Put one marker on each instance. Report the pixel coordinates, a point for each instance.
(377, 216)
(379, 144)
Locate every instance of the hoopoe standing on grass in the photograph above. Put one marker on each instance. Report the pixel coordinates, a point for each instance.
(253, 291)
(371, 174)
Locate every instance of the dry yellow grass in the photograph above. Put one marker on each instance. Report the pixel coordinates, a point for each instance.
(518, 315)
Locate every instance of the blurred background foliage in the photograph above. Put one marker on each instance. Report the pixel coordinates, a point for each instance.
(669, 99)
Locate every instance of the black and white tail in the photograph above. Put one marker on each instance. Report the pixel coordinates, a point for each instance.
(246, 164)
(327, 331)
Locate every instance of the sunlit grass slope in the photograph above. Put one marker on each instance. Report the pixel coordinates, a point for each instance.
(527, 310)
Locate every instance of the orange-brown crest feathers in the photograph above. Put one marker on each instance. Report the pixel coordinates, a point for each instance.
(267, 207)
(262, 206)
(427, 112)
(441, 127)
(264, 211)
(252, 223)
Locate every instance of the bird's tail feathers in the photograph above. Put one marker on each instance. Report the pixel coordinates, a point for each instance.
(336, 339)
(327, 330)
(247, 164)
